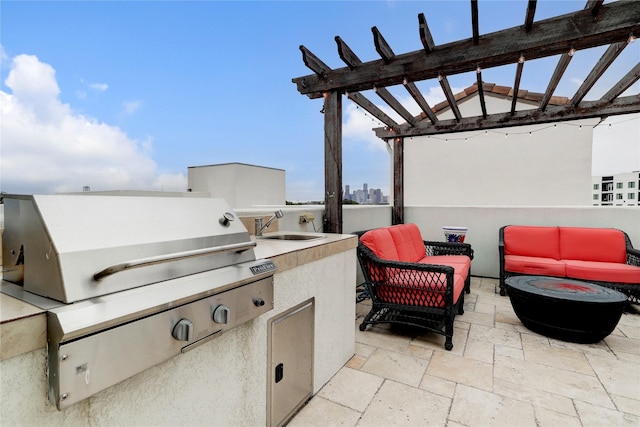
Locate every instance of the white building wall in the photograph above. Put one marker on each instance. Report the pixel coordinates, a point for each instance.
(532, 165)
(241, 185)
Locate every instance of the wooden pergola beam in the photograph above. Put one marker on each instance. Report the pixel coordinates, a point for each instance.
(369, 106)
(382, 47)
(448, 93)
(551, 37)
(474, 21)
(531, 11)
(422, 103)
(396, 105)
(397, 213)
(314, 63)
(425, 34)
(333, 163)
(480, 93)
(346, 54)
(625, 82)
(516, 84)
(598, 70)
(555, 78)
(594, 6)
(586, 110)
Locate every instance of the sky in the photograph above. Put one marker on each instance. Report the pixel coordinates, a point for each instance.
(127, 95)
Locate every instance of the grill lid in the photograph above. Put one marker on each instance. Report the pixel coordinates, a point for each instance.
(75, 247)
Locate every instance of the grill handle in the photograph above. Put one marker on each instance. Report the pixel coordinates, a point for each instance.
(159, 259)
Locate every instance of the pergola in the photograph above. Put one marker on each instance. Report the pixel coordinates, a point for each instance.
(613, 24)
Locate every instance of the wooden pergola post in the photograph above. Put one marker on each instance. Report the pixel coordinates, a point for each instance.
(397, 214)
(333, 162)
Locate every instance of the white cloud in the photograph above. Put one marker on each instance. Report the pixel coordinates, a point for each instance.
(47, 147)
(99, 87)
(358, 125)
(130, 107)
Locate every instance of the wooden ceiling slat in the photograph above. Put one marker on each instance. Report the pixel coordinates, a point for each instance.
(474, 21)
(448, 93)
(314, 63)
(369, 106)
(586, 110)
(552, 37)
(555, 79)
(630, 78)
(531, 11)
(346, 54)
(422, 103)
(598, 70)
(425, 34)
(481, 93)
(395, 104)
(382, 47)
(516, 84)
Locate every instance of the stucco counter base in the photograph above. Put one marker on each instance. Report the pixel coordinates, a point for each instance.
(223, 382)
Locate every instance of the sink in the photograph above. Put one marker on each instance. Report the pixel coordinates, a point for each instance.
(293, 236)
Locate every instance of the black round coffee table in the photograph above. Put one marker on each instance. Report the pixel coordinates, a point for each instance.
(569, 310)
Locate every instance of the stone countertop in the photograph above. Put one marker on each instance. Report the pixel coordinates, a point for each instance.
(23, 326)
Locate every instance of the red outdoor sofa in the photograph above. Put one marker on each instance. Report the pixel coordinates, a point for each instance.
(413, 282)
(603, 256)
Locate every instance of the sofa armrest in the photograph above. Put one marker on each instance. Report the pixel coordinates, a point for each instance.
(633, 257)
(448, 248)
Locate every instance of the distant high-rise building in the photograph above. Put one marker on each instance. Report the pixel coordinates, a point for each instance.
(622, 189)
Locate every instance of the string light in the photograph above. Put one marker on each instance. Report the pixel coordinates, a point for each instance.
(495, 131)
(572, 52)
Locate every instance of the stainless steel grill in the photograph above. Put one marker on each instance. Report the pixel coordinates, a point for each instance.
(129, 281)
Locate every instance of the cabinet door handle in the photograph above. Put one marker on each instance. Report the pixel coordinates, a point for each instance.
(279, 372)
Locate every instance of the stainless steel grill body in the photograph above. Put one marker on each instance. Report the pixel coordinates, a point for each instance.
(138, 280)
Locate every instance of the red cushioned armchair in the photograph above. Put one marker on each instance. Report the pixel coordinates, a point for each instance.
(414, 282)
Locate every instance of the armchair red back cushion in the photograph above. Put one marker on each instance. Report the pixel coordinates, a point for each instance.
(526, 240)
(408, 242)
(593, 244)
(380, 243)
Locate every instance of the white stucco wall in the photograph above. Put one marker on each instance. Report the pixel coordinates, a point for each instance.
(549, 167)
(241, 185)
(221, 383)
(485, 221)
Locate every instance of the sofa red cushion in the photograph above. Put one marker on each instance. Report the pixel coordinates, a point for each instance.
(536, 266)
(593, 244)
(603, 271)
(408, 241)
(532, 241)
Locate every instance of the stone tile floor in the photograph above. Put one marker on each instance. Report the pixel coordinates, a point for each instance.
(498, 374)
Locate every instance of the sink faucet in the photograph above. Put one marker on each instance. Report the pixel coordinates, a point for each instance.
(260, 227)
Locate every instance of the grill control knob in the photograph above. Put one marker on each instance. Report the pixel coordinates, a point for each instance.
(221, 314)
(183, 330)
(227, 218)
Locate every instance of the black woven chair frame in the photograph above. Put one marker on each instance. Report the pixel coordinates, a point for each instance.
(632, 291)
(422, 287)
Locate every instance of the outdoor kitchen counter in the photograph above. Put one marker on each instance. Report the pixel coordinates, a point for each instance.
(23, 326)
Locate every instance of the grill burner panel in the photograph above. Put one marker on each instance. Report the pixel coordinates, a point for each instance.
(83, 367)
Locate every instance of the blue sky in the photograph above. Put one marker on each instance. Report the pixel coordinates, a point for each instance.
(118, 94)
